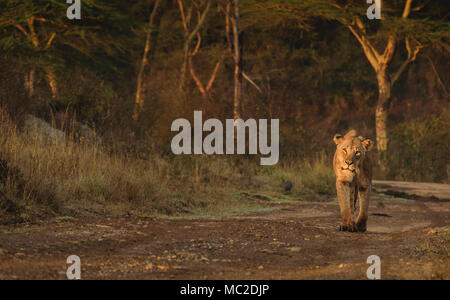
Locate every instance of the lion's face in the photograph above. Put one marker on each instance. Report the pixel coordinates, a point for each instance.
(350, 152)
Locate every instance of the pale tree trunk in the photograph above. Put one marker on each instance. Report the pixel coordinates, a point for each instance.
(49, 74)
(33, 37)
(29, 82)
(237, 105)
(384, 94)
(185, 18)
(51, 79)
(139, 102)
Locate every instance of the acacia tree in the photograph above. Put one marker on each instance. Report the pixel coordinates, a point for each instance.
(379, 40)
(190, 32)
(41, 34)
(30, 20)
(380, 62)
(189, 54)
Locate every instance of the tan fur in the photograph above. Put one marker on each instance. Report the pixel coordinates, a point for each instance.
(353, 168)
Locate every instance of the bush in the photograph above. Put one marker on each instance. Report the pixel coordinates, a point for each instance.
(310, 177)
(419, 149)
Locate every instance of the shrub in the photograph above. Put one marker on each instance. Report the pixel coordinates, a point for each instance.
(419, 149)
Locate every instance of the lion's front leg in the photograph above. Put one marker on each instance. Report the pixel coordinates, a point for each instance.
(346, 194)
(363, 196)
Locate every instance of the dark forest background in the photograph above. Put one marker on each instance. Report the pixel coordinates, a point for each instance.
(300, 62)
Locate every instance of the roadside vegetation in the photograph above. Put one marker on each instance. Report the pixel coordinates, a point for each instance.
(129, 70)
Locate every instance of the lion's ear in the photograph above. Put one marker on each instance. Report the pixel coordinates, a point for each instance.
(367, 144)
(338, 138)
(350, 133)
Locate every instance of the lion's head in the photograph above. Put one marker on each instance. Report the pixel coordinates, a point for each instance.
(350, 153)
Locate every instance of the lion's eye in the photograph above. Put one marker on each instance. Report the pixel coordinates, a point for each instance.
(345, 151)
(358, 154)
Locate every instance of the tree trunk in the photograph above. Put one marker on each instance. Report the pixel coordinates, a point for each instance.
(184, 65)
(51, 78)
(384, 94)
(189, 35)
(237, 63)
(139, 104)
(29, 82)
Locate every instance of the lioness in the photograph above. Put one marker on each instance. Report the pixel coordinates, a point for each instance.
(353, 168)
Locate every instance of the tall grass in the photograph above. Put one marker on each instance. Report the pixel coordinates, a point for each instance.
(310, 177)
(39, 178)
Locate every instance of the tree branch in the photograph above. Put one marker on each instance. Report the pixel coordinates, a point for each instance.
(199, 40)
(246, 77)
(433, 68)
(18, 26)
(33, 37)
(407, 9)
(213, 75)
(196, 79)
(412, 55)
(183, 17)
(368, 51)
(50, 40)
(200, 21)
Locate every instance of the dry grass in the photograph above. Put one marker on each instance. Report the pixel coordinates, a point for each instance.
(42, 179)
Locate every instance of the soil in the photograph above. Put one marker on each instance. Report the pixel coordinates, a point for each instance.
(295, 240)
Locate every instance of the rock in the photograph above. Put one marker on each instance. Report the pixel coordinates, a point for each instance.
(38, 128)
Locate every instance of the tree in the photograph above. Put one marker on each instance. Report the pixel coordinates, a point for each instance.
(231, 9)
(189, 58)
(395, 25)
(191, 33)
(381, 62)
(235, 21)
(25, 18)
(41, 34)
(139, 103)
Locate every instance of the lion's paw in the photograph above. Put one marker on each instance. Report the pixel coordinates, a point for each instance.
(361, 226)
(349, 227)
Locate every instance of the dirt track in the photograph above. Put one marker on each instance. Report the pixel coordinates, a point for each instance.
(293, 241)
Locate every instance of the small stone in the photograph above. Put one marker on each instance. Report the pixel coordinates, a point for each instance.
(294, 249)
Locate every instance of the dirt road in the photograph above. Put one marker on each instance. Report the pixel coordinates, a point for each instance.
(295, 240)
